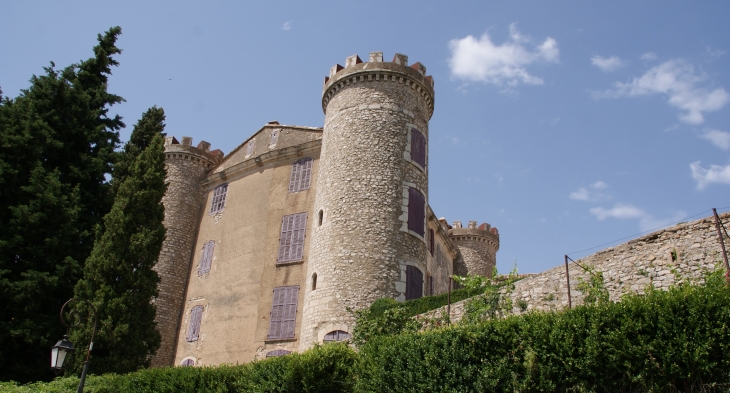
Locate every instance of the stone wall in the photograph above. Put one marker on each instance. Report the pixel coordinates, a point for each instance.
(663, 258)
(478, 247)
(186, 168)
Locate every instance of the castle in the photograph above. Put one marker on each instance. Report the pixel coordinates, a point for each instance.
(269, 246)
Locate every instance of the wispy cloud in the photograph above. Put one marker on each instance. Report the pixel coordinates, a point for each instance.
(677, 80)
(480, 60)
(286, 26)
(625, 212)
(607, 64)
(649, 56)
(706, 176)
(718, 138)
(589, 194)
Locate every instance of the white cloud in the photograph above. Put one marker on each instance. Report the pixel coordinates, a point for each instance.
(583, 194)
(286, 26)
(599, 185)
(647, 222)
(580, 194)
(678, 81)
(715, 174)
(718, 138)
(480, 60)
(609, 64)
(649, 56)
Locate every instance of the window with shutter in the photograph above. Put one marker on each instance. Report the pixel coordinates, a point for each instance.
(414, 283)
(249, 148)
(206, 258)
(196, 315)
(337, 335)
(418, 148)
(274, 137)
(301, 175)
(188, 363)
(219, 198)
(283, 312)
(278, 352)
(416, 211)
(291, 240)
(430, 241)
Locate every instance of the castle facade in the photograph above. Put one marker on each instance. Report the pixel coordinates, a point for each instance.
(269, 246)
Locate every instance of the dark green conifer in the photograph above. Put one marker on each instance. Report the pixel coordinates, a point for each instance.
(57, 146)
(118, 276)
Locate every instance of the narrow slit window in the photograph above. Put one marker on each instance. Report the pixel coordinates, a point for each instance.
(321, 217)
(219, 199)
(314, 281)
(430, 241)
(416, 211)
(301, 175)
(196, 315)
(291, 240)
(207, 258)
(418, 148)
(283, 312)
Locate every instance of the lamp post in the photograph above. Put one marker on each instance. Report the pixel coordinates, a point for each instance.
(63, 348)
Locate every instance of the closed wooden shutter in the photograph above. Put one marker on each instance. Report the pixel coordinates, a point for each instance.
(418, 148)
(337, 335)
(207, 257)
(188, 363)
(291, 240)
(430, 241)
(283, 312)
(416, 210)
(194, 328)
(414, 283)
(301, 175)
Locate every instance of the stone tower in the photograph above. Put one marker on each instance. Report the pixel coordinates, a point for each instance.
(186, 167)
(478, 247)
(371, 169)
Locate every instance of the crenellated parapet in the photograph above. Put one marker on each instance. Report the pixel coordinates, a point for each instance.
(200, 154)
(397, 71)
(478, 246)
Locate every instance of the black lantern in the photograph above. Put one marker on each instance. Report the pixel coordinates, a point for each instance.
(60, 352)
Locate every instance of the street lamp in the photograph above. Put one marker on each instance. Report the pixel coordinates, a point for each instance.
(63, 348)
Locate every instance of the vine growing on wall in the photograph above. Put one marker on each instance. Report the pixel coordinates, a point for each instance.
(496, 300)
(594, 289)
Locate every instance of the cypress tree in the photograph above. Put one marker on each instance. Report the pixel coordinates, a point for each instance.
(57, 144)
(118, 276)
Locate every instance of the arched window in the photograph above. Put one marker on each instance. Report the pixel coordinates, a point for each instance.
(337, 335)
(219, 199)
(278, 352)
(188, 363)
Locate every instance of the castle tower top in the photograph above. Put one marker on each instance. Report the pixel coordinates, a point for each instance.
(200, 153)
(397, 71)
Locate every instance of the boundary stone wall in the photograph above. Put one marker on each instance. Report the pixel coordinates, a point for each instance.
(683, 252)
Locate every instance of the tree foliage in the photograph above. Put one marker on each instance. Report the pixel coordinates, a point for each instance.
(118, 276)
(57, 144)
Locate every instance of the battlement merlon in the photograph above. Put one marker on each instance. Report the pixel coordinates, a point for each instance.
(201, 151)
(483, 230)
(398, 71)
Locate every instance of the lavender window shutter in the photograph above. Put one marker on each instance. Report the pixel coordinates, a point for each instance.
(298, 242)
(290, 312)
(194, 328)
(414, 283)
(293, 177)
(418, 147)
(276, 313)
(207, 257)
(306, 174)
(284, 239)
(416, 210)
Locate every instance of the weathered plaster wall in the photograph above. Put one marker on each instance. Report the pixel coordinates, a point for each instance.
(629, 267)
(237, 292)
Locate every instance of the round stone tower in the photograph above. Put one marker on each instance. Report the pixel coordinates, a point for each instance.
(478, 247)
(186, 167)
(372, 190)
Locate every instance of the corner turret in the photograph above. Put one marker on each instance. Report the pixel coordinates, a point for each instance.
(478, 247)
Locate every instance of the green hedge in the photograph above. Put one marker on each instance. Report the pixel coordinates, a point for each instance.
(421, 305)
(663, 341)
(677, 340)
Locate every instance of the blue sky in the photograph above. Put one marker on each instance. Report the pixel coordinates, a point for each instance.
(567, 125)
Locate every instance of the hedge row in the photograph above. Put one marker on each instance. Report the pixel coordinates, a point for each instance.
(421, 305)
(660, 342)
(663, 341)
